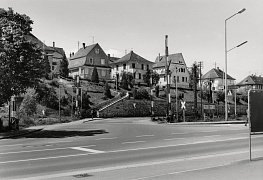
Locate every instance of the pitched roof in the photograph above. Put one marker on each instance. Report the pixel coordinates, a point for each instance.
(83, 52)
(132, 57)
(174, 58)
(251, 80)
(216, 73)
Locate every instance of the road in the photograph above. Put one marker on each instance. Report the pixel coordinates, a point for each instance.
(131, 148)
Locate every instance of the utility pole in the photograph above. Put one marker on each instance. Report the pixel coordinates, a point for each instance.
(151, 89)
(169, 111)
(200, 74)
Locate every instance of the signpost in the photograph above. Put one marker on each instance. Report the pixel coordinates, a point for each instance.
(183, 107)
(255, 114)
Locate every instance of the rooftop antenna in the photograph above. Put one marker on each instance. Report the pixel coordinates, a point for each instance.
(78, 45)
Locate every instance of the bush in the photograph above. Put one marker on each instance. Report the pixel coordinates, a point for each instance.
(142, 94)
(54, 83)
(28, 106)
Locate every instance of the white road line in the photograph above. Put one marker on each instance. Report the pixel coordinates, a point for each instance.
(87, 150)
(180, 133)
(173, 139)
(133, 142)
(106, 138)
(146, 135)
(12, 145)
(39, 150)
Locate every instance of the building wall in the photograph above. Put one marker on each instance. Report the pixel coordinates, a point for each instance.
(217, 83)
(139, 72)
(179, 72)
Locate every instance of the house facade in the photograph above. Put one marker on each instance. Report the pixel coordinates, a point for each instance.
(216, 77)
(250, 82)
(86, 58)
(178, 70)
(132, 63)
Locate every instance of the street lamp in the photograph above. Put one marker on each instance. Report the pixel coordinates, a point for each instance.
(239, 12)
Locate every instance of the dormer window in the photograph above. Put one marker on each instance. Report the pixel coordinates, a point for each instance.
(97, 51)
(91, 60)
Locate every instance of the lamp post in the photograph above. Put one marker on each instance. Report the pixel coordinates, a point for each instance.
(239, 12)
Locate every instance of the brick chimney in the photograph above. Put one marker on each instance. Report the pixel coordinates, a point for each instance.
(53, 44)
(83, 45)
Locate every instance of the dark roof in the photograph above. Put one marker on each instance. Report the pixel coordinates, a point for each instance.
(215, 74)
(131, 57)
(174, 58)
(30, 37)
(83, 51)
(55, 49)
(113, 59)
(251, 80)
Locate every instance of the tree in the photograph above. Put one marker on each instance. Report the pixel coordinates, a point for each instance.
(126, 80)
(95, 75)
(193, 83)
(21, 62)
(63, 70)
(107, 92)
(147, 77)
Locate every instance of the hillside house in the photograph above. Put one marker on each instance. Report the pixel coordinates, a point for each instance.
(132, 63)
(177, 68)
(250, 82)
(83, 62)
(216, 77)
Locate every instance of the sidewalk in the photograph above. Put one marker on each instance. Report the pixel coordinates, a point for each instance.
(15, 134)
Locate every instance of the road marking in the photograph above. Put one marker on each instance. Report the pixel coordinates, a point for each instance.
(12, 145)
(39, 150)
(136, 165)
(106, 138)
(87, 150)
(133, 142)
(146, 135)
(173, 139)
(180, 133)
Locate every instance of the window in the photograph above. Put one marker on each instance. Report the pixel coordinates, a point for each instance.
(82, 70)
(97, 51)
(147, 67)
(185, 79)
(86, 71)
(54, 63)
(142, 66)
(134, 75)
(102, 61)
(117, 67)
(91, 60)
(53, 67)
(178, 80)
(140, 76)
(133, 65)
(103, 73)
(182, 79)
(124, 66)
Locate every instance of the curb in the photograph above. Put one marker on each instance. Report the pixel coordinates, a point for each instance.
(209, 123)
(20, 133)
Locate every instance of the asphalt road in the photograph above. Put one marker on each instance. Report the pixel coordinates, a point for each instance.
(125, 149)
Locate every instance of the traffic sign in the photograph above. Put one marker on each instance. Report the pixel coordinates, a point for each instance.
(229, 93)
(183, 105)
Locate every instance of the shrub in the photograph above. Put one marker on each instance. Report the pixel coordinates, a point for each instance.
(142, 94)
(107, 92)
(28, 106)
(54, 83)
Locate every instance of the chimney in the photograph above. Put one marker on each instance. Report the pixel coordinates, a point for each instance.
(108, 57)
(159, 57)
(83, 45)
(69, 54)
(72, 53)
(53, 44)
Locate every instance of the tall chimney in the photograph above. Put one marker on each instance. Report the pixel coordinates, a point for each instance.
(69, 54)
(72, 53)
(53, 44)
(108, 57)
(83, 45)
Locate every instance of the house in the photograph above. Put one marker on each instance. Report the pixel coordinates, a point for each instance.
(177, 68)
(216, 77)
(54, 54)
(86, 58)
(132, 63)
(250, 82)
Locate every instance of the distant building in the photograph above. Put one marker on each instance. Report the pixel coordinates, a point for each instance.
(132, 63)
(83, 62)
(216, 77)
(54, 54)
(178, 70)
(250, 82)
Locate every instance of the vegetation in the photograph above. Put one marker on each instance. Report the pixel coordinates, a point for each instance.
(107, 92)
(141, 93)
(148, 75)
(95, 75)
(193, 82)
(127, 80)
(63, 70)
(21, 62)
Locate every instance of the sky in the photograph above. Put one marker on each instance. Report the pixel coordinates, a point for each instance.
(195, 28)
